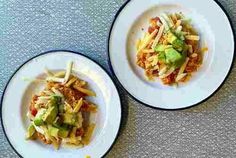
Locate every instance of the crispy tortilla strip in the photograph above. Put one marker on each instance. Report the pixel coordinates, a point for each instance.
(147, 51)
(182, 68)
(204, 49)
(60, 74)
(192, 37)
(71, 81)
(85, 91)
(78, 105)
(138, 43)
(88, 134)
(48, 72)
(90, 108)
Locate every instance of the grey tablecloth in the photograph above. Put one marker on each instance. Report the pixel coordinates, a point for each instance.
(30, 27)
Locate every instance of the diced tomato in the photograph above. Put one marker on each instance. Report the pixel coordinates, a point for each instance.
(85, 106)
(153, 24)
(79, 132)
(150, 29)
(156, 19)
(169, 79)
(33, 111)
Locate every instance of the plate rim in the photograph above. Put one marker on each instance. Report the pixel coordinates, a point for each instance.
(56, 51)
(165, 109)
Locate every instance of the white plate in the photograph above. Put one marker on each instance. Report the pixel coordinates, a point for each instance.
(215, 30)
(16, 99)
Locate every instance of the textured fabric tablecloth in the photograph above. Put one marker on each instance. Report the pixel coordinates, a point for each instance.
(30, 27)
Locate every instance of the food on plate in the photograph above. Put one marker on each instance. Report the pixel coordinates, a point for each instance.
(170, 49)
(59, 114)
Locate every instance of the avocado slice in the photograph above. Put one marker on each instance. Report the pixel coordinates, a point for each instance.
(61, 108)
(174, 58)
(172, 55)
(162, 47)
(50, 114)
(162, 57)
(53, 131)
(171, 37)
(38, 121)
(54, 101)
(63, 133)
(178, 45)
(69, 118)
(30, 131)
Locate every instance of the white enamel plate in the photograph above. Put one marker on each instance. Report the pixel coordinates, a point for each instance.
(17, 95)
(215, 31)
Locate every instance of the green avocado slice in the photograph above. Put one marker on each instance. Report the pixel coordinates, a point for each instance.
(63, 133)
(174, 58)
(30, 131)
(178, 44)
(53, 131)
(69, 118)
(58, 131)
(50, 114)
(162, 47)
(171, 37)
(162, 57)
(38, 121)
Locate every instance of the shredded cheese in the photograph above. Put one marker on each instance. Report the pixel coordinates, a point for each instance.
(155, 61)
(57, 92)
(179, 29)
(178, 23)
(68, 71)
(194, 55)
(169, 20)
(156, 67)
(181, 73)
(159, 23)
(147, 51)
(160, 33)
(192, 37)
(39, 129)
(190, 48)
(55, 79)
(180, 77)
(164, 23)
(169, 72)
(151, 58)
(163, 71)
(147, 40)
(173, 16)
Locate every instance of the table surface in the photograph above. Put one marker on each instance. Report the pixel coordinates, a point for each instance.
(30, 27)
